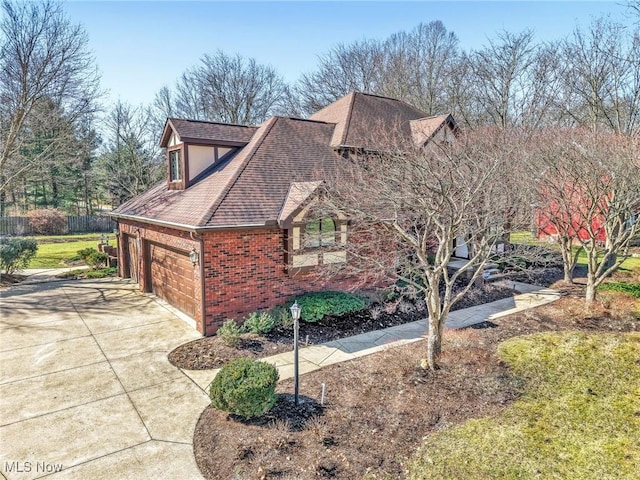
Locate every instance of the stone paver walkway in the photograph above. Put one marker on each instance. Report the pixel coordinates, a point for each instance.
(317, 356)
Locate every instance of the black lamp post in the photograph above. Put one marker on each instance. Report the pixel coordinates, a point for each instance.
(295, 313)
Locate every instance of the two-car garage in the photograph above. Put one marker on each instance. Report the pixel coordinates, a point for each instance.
(165, 271)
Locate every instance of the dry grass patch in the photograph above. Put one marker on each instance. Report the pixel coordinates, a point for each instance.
(579, 417)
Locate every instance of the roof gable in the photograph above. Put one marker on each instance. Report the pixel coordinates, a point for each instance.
(359, 115)
(424, 129)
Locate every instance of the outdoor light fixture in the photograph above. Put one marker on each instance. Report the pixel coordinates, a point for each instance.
(194, 257)
(104, 239)
(295, 313)
(116, 232)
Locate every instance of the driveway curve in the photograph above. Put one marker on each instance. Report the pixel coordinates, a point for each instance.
(86, 390)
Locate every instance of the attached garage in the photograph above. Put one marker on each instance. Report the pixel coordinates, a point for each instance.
(173, 277)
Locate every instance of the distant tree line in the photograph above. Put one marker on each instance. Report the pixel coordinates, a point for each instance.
(61, 147)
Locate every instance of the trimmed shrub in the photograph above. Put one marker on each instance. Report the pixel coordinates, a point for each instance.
(16, 253)
(97, 259)
(230, 333)
(48, 221)
(86, 252)
(259, 323)
(317, 305)
(245, 387)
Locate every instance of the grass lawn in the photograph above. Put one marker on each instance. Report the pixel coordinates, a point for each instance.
(54, 255)
(73, 237)
(578, 417)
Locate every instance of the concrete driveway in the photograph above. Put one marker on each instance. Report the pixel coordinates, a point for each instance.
(86, 391)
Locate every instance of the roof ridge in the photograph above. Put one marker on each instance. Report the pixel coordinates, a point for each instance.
(212, 122)
(268, 125)
(347, 122)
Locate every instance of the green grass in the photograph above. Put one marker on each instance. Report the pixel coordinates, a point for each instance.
(624, 287)
(54, 255)
(524, 238)
(579, 416)
(74, 237)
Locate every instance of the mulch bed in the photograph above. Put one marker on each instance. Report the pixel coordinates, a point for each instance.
(8, 280)
(378, 408)
(211, 352)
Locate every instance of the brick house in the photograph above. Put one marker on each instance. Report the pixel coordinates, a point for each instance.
(227, 232)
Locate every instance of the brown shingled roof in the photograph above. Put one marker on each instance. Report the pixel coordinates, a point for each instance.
(198, 131)
(358, 115)
(293, 151)
(253, 187)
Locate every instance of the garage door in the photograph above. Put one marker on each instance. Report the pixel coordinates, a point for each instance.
(172, 277)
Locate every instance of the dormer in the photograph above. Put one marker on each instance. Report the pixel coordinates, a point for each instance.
(192, 146)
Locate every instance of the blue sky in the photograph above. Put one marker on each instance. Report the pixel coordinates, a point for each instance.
(141, 46)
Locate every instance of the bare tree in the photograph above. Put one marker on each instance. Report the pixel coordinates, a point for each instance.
(513, 80)
(132, 162)
(602, 77)
(410, 66)
(589, 194)
(42, 55)
(162, 107)
(417, 65)
(224, 88)
(346, 67)
(408, 203)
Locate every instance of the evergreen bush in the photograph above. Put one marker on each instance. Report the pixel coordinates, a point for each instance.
(259, 323)
(317, 305)
(16, 253)
(230, 333)
(245, 388)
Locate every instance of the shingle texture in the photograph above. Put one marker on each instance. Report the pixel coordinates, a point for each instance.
(361, 118)
(221, 133)
(254, 186)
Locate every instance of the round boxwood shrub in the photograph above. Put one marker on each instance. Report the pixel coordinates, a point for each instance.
(245, 387)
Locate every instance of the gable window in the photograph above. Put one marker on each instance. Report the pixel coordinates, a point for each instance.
(320, 233)
(175, 166)
(317, 242)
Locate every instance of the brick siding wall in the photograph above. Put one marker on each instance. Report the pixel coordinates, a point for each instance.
(245, 271)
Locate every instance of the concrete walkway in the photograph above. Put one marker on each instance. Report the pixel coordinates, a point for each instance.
(317, 356)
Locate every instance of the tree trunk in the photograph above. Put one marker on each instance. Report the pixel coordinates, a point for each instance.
(434, 342)
(590, 294)
(567, 261)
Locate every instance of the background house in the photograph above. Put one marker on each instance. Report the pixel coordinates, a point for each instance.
(228, 232)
